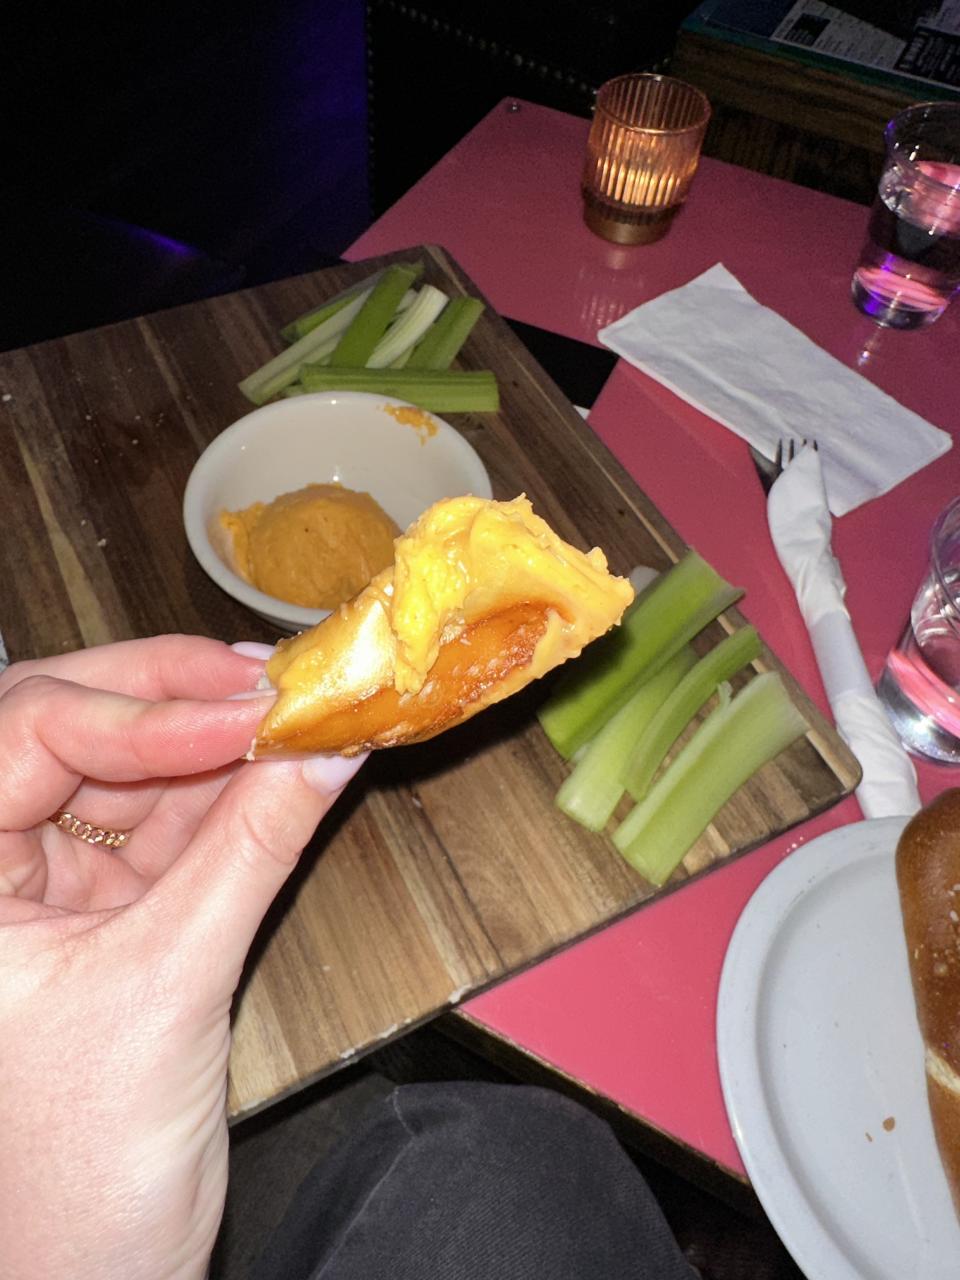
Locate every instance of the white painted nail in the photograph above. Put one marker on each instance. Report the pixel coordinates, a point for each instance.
(251, 649)
(329, 774)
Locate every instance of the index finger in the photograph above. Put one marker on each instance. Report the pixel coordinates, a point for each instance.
(54, 733)
(157, 668)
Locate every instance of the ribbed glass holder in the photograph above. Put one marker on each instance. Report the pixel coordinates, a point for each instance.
(642, 153)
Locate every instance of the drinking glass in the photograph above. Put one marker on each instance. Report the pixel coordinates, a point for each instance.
(920, 684)
(909, 267)
(642, 153)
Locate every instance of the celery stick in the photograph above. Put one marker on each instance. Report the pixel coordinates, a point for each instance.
(310, 319)
(592, 791)
(323, 354)
(728, 748)
(408, 328)
(693, 691)
(448, 391)
(283, 369)
(358, 341)
(306, 323)
(441, 343)
(402, 360)
(663, 618)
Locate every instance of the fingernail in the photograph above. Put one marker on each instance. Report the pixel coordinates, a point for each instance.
(251, 649)
(330, 773)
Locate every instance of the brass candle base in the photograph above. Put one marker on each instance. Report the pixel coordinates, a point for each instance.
(626, 226)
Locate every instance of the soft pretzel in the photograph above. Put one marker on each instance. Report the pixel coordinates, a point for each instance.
(482, 598)
(928, 879)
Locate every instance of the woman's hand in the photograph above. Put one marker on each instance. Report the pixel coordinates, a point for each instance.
(118, 966)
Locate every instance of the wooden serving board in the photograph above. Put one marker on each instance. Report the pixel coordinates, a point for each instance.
(446, 866)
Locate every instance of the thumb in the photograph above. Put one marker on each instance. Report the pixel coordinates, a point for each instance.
(215, 896)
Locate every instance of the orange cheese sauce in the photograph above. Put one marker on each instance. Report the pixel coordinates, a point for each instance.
(421, 421)
(314, 547)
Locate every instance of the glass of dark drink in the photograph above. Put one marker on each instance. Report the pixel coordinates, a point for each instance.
(909, 267)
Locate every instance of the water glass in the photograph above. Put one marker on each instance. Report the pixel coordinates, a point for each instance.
(642, 153)
(920, 684)
(909, 268)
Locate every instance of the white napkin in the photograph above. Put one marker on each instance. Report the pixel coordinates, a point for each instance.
(800, 526)
(752, 371)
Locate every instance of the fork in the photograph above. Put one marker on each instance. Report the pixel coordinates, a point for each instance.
(800, 527)
(787, 449)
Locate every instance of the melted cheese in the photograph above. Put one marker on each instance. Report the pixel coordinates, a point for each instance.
(466, 557)
(485, 587)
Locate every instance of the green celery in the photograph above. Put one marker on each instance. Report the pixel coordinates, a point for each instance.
(440, 391)
(693, 692)
(727, 749)
(408, 328)
(283, 369)
(358, 341)
(592, 791)
(323, 355)
(310, 319)
(663, 618)
(443, 341)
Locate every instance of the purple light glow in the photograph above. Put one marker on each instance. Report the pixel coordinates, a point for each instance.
(154, 239)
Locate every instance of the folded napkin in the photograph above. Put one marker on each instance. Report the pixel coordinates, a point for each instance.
(800, 526)
(752, 371)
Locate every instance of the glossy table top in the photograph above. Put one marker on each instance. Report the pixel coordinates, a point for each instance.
(630, 1012)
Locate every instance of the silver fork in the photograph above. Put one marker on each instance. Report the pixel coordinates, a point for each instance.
(787, 449)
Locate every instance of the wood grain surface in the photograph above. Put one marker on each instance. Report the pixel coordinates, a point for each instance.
(820, 126)
(446, 866)
(830, 102)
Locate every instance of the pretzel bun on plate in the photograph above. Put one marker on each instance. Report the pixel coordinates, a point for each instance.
(482, 598)
(928, 879)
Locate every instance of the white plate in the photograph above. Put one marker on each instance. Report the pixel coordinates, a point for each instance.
(819, 1046)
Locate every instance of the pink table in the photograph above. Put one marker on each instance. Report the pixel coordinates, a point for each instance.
(629, 1013)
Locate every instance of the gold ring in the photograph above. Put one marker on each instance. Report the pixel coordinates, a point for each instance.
(88, 832)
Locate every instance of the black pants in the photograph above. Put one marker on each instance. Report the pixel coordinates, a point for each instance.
(475, 1182)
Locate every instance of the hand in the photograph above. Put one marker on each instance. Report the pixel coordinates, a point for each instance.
(118, 967)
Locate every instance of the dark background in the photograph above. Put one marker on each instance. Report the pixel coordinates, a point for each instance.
(154, 154)
(157, 154)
